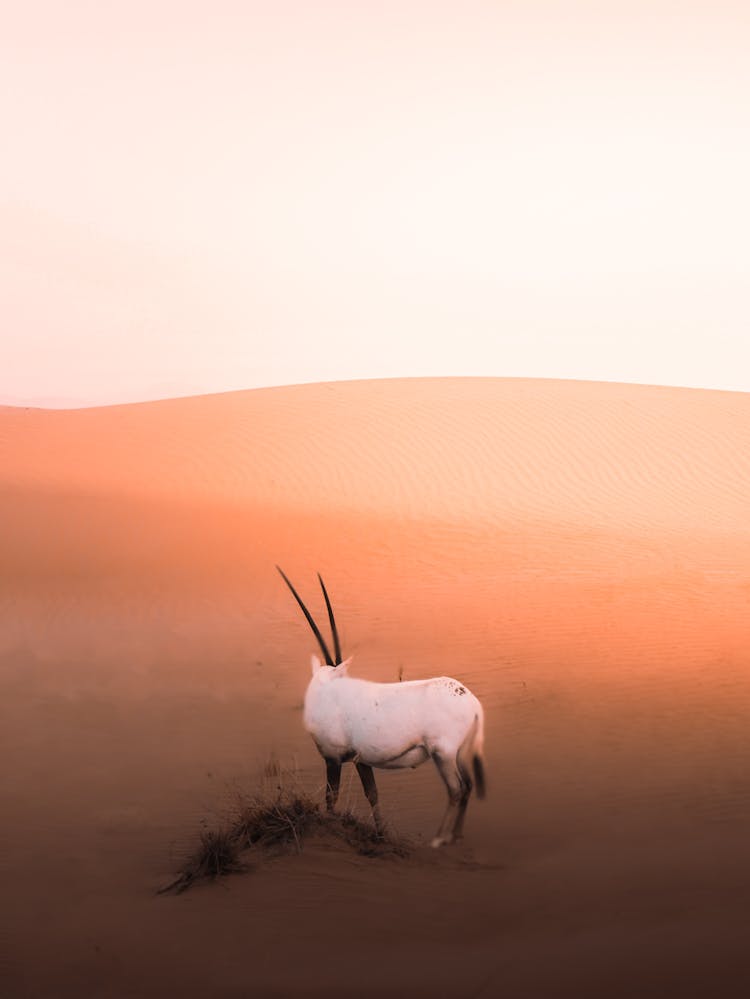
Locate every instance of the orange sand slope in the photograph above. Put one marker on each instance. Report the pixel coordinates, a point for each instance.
(483, 449)
(578, 553)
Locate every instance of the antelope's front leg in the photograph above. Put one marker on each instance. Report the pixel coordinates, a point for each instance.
(333, 778)
(371, 793)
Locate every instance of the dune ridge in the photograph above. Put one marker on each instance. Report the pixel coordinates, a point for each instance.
(487, 449)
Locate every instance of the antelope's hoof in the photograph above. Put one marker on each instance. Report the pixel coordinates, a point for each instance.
(440, 841)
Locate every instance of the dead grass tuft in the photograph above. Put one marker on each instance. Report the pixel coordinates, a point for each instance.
(263, 826)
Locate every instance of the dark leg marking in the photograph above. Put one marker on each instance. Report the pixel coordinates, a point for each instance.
(371, 793)
(466, 786)
(333, 778)
(455, 787)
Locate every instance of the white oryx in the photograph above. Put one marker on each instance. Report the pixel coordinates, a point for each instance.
(391, 726)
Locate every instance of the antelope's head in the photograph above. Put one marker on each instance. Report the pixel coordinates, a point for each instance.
(333, 665)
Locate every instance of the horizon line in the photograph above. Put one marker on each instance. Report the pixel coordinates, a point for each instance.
(65, 405)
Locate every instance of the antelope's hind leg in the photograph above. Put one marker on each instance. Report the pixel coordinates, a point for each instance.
(466, 787)
(371, 793)
(333, 779)
(459, 788)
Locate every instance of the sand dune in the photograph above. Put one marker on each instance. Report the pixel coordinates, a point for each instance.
(587, 453)
(578, 553)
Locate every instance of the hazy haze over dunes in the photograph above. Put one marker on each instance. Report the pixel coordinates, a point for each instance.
(200, 198)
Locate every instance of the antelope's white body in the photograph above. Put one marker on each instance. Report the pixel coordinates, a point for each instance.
(390, 725)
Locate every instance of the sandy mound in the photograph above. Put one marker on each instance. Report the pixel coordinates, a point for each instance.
(577, 553)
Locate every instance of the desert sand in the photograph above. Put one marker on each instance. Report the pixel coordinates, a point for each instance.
(577, 553)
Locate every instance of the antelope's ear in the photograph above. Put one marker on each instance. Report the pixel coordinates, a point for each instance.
(343, 668)
(316, 664)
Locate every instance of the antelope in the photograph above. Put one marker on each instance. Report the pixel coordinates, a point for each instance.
(392, 726)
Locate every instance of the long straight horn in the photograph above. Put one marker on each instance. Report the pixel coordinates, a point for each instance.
(334, 629)
(308, 615)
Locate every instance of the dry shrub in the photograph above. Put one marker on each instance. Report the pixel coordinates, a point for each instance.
(263, 825)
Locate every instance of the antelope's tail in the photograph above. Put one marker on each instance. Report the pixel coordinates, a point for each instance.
(477, 763)
(477, 759)
(472, 749)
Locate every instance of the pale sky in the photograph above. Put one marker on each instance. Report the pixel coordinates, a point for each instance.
(198, 197)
